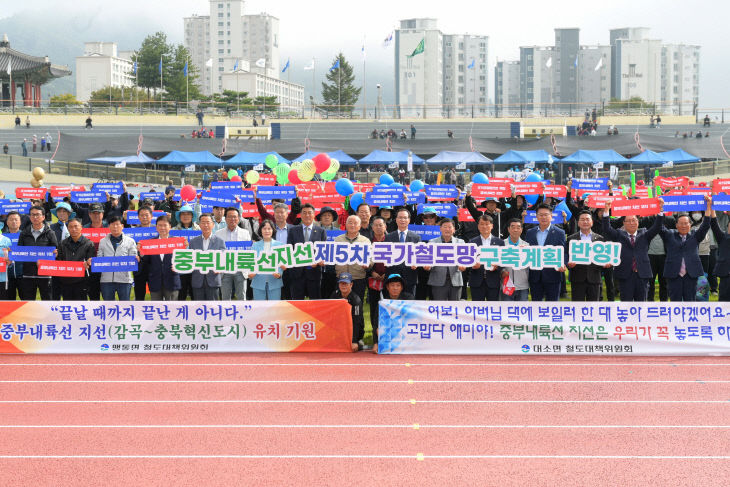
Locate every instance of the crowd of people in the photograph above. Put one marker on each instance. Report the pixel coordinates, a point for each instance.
(671, 252)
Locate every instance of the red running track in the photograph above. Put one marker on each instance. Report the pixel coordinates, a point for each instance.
(316, 419)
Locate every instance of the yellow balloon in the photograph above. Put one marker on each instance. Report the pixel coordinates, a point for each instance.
(36, 183)
(334, 165)
(308, 165)
(252, 177)
(305, 175)
(38, 173)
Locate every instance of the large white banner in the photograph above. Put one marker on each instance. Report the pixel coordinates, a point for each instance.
(527, 328)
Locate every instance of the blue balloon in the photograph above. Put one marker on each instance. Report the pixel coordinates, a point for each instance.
(356, 200)
(386, 179)
(533, 177)
(417, 185)
(530, 198)
(480, 178)
(563, 207)
(344, 187)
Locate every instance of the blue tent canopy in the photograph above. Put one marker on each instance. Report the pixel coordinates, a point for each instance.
(521, 157)
(593, 156)
(648, 157)
(384, 157)
(341, 156)
(142, 158)
(179, 158)
(253, 158)
(453, 158)
(679, 156)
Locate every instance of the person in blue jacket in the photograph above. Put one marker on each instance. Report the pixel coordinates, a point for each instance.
(267, 286)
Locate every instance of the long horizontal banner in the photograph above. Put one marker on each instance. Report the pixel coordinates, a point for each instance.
(604, 329)
(391, 254)
(168, 326)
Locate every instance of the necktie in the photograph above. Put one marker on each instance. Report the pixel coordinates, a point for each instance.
(306, 234)
(402, 237)
(682, 267)
(634, 267)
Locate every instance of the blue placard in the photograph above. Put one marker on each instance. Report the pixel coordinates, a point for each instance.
(268, 193)
(383, 199)
(88, 197)
(188, 234)
(243, 195)
(589, 184)
(442, 191)
(111, 188)
(225, 185)
(239, 244)
(415, 197)
(684, 203)
(448, 210)
(392, 190)
(20, 207)
(531, 217)
(218, 199)
(133, 216)
(121, 263)
(31, 253)
(332, 234)
(154, 196)
(13, 237)
(720, 202)
(140, 233)
(427, 232)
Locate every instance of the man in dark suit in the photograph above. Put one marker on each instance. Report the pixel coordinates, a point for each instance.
(485, 283)
(164, 282)
(683, 266)
(585, 279)
(206, 287)
(545, 283)
(722, 265)
(409, 274)
(306, 281)
(634, 272)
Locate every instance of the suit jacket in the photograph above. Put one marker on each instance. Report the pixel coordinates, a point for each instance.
(478, 276)
(722, 264)
(409, 275)
(687, 250)
(589, 273)
(296, 235)
(259, 281)
(555, 236)
(438, 275)
(160, 273)
(639, 251)
(213, 278)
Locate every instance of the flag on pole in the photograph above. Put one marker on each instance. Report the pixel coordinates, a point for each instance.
(261, 63)
(185, 69)
(575, 63)
(160, 65)
(419, 48)
(209, 63)
(310, 66)
(286, 66)
(549, 62)
(388, 40)
(471, 64)
(599, 65)
(235, 66)
(363, 50)
(336, 65)
(134, 68)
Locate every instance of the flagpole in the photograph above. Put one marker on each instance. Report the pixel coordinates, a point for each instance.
(364, 85)
(339, 87)
(187, 85)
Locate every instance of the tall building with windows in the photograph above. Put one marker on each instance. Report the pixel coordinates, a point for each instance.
(507, 88)
(567, 45)
(594, 76)
(102, 65)
(636, 65)
(680, 77)
(536, 78)
(465, 74)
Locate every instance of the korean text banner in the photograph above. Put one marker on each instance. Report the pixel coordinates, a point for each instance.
(167, 326)
(444, 327)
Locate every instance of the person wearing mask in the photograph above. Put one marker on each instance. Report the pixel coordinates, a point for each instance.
(520, 277)
(545, 283)
(206, 287)
(306, 281)
(116, 284)
(358, 273)
(77, 248)
(164, 283)
(377, 277)
(403, 235)
(14, 271)
(96, 217)
(37, 234)
(585, 279)
(345, 291)
(485, 283)
(683, 266)
(267, 287)
(634, 272)
(446, 281)
(233, 284)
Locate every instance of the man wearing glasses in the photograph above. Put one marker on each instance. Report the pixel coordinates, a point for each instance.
(402, 234)
(37, 234)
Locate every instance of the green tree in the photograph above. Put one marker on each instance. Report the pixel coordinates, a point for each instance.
(177, 86)
(633, 103)
(119, 96)
(148, 57)
(265, 101)
(66, 99)
(340, 91)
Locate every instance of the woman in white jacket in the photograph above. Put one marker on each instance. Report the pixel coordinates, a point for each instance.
(116, 244)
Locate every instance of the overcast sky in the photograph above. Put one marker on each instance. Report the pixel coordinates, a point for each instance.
(321, 28)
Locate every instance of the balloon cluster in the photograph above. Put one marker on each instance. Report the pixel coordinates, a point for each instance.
(37, 180)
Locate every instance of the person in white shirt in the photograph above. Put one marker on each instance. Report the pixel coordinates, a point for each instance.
(233, 283)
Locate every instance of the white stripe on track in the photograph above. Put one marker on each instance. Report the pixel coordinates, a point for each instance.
(356, 364)
(353, 401)
(373, 381)
(362, 457)
(360, 426)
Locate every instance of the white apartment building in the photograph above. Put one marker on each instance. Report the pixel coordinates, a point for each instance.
(594, 75)
(419, 76)
(536, 79)
(680, 77)
(465, 74)
(507, 88)
(290, 95)
(102, 65)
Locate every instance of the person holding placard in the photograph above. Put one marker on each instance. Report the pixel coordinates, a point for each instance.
(206, 287)
(585, 279)
(164, 283)
(402, 234)
(306, 282)
(545, 283)
(116, 244)
(446, 281)
(233, 283)
(485, 283)
(76, 247)
(37, 234)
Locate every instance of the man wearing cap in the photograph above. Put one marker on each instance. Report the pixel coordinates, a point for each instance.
(409, 275)
(327, 219)
(357, 272)
(37, 234)
(63, 212)
(344, 291)
(306, 281)
(96, 215)
(394, 288)
(493, 209)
